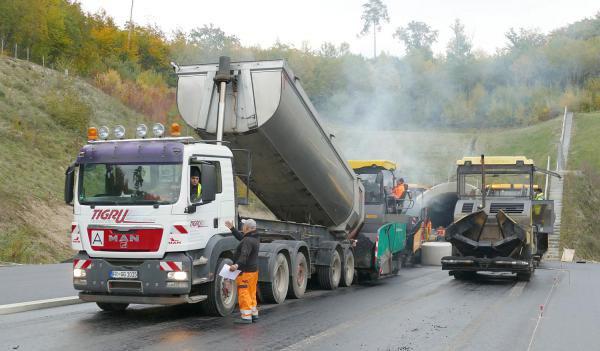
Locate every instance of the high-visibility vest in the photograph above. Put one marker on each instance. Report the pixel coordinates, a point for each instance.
(198, 191)
(398, 191)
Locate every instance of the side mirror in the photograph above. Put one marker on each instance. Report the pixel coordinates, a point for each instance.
(209, 182)
(69, 184)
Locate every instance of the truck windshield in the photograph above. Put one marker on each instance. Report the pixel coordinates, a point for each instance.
(372, 184)
(496, 185)
(114, 184)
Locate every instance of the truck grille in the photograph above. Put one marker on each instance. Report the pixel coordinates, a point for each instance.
(138, 240)
(467, 207)
(125, 285)
(506, 207)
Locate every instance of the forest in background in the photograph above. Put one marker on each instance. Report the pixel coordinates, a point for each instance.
(529, 80)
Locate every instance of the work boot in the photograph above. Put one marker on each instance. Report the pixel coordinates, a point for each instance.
(254, 319)
(242, 321)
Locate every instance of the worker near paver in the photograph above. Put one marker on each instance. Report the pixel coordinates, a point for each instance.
(539, 194)
(399, 189)
(246, 260)
(440, 233)
(195, 186)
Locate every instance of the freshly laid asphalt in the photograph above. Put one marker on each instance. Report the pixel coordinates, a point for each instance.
(420, 309)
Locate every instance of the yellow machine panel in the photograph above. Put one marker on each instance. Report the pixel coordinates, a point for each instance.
(495, 160)
(356, 164)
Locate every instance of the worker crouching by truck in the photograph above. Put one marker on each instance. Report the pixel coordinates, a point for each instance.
(246, 260)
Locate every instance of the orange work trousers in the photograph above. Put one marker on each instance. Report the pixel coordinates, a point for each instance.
(246, 284)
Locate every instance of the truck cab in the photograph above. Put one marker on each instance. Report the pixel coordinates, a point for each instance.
(136, 224)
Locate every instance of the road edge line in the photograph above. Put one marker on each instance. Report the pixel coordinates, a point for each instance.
(39, 304)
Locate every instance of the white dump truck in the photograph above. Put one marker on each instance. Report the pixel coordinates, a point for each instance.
(141, 236)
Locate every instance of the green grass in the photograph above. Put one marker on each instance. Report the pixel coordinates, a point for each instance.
(585, 146)
(580, 228)
(429, 156)
(43, 115)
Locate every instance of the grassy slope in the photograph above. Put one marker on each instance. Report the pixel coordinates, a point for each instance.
(581, 223)
(34, 152)
(429, 156)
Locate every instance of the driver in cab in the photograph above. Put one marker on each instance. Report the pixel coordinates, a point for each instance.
(195, 186)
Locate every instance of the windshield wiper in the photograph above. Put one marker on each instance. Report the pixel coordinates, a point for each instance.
(92, 202)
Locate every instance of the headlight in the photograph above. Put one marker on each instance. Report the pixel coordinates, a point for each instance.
(119, 131)
(158, 130)
(177, 276)
(103, 132)
(79, 273)
(141, 131)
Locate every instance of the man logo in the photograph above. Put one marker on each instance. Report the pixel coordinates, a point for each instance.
(97, 238)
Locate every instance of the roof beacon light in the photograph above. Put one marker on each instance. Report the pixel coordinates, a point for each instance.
(175, 129)
(119, 131)
(92, 133)
(103, 132)
(158, 130)
(141, 131)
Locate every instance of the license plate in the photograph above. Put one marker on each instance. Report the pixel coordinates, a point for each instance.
(124, 274)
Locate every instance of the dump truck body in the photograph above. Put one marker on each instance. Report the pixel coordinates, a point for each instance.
(297, 171)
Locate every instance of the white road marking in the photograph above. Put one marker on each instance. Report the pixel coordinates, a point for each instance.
(517, 290)
(39, 304)
(540, 315)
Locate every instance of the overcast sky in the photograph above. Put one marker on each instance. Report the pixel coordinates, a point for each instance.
(262, 22)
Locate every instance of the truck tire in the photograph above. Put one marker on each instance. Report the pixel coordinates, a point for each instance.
(348, 269)
(112, 307)
(524, 277)
(276, 290)
(458, 275)
(299, 277)
(221, 295)
(329, 276)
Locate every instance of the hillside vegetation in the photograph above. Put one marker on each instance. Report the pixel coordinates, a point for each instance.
(527, 81)
(43, 120)
(429, 156)
(581, 223)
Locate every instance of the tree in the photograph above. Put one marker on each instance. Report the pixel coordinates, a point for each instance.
(459, 47)
(417, 37)
(374, 13)
(524, 39)
(213, 39)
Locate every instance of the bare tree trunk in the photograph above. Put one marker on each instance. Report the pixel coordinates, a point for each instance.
(374, 41)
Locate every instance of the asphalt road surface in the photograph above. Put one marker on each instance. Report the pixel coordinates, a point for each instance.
(35, 282)
(420, 309)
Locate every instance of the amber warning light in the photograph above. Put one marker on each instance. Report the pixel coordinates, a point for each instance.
(92, 133)
(175, 129)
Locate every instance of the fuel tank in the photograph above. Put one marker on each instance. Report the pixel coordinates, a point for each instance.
(296, 169)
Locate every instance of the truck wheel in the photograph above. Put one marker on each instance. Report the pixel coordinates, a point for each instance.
(276, 290)
(464, 275)
(112, 307)
(348, 269)
(221, 293)
(329, 276)
(524, 277)
(299, 277)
